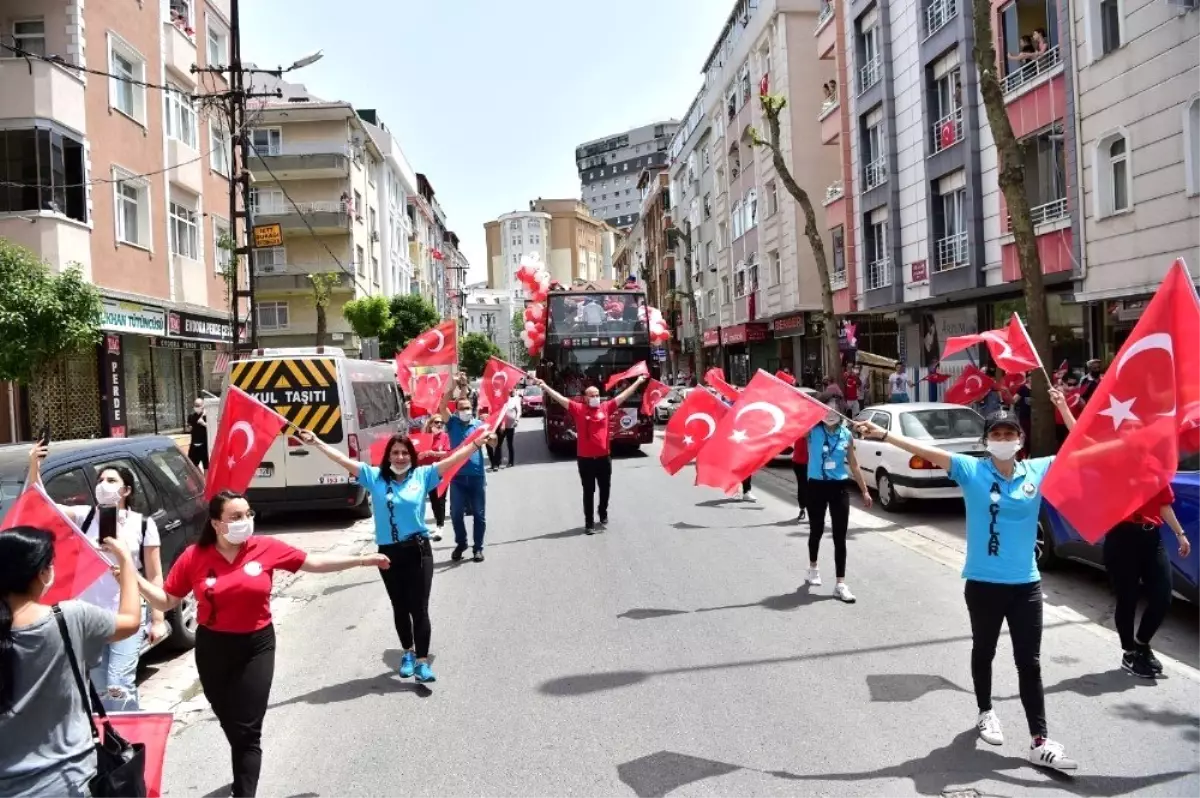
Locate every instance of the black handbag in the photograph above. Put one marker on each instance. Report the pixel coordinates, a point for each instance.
(120, 764)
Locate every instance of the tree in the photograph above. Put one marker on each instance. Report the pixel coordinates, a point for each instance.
(520, 355)
(43, 316)
(474, 349)
(675, 238)
(411, 315)
(369, 317)
(323, 285)
(772, 106)
(1011, 155)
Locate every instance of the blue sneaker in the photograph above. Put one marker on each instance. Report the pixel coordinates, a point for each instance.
(424, 673)
(408, 664)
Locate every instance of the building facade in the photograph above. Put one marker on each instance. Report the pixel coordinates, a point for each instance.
(489, 312)
(144, 223)
(609, 168)
(510, 238)
(561, 232)
(397, 183)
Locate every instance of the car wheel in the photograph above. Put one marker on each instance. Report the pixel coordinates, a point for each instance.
(1047, 558)
(183, 619)
(363, 508)
(888, 499)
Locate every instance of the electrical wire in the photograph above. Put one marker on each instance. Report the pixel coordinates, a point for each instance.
(62, 62)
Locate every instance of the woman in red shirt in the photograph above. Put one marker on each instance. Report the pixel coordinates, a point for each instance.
(439, 447)
(230, 572)
(800, 469)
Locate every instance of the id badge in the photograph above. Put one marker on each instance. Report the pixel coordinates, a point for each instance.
(830, 465)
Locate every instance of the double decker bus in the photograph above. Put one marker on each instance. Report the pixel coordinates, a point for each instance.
(593, 331)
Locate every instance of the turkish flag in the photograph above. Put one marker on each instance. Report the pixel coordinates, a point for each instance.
(247, 430)
(481, 431)
(429, 388)
(652, 394)
(499, 378)
(1010, 383)
(715, 379)
(1074, 398)
(151, 729)
(403, 376)
(768, 417)
(638, 369)
(1010, 347)
(788, 378)
(935, 377)
(970, 387)
(437, 346)
(80, 570)
(693, 424)
(1124, 449)
(1062, 370)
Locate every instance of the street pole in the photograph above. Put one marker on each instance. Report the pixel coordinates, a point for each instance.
(235, 117)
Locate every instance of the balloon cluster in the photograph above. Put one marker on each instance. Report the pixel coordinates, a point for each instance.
(536, 281)
(659, 334)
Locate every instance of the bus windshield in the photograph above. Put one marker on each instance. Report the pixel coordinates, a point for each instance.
(574, 315)
(573, 369)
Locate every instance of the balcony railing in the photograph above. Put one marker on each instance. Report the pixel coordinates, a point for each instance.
(879, 274)
(1045, 213)
(305, 148)
(951, 252)
(827, 108)
(1032, 70)
(325, 266)
(837, 279)
(303, 208)
(875, 173)
(868, 74)
(937, 14)
(948, 130)
(825, 14)
(834, 191)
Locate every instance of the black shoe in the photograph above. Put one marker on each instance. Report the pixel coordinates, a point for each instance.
(800, 518)
(602, 525)
(478, 556)
(589, 530)
(457, 554)
(1134, 662)
(1151, 660)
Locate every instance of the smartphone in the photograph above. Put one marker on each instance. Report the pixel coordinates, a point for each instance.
(44, 436)
(107, 518)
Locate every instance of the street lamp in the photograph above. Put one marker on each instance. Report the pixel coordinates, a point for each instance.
(307, 60)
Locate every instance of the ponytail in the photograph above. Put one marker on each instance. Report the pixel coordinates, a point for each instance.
(24, 553)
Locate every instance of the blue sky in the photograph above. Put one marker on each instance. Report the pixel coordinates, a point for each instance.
(487, 98)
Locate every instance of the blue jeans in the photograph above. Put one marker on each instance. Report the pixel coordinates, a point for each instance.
(115, 677)
(472, 489)
(898, 398)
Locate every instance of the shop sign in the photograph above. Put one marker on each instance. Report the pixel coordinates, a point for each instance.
(788, 326)
(268, 235)
(920, 271)
(712, 337)
(179, 343)
(199, 328)
(128, 317)
(744, 333)
(112, 365)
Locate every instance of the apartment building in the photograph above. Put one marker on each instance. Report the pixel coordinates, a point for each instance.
(1136, 74)
(609, 168)
(561, 232)
(398, 182)
(127, 177)
(489, 312)
(454, 266)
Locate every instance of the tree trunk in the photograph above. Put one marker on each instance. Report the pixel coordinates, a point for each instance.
(689, 300)
(321, 325)
(1010, 153)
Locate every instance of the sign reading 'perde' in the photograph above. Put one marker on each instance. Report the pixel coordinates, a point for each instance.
(302, 390)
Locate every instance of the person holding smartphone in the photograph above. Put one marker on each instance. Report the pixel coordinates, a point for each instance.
(115, 675)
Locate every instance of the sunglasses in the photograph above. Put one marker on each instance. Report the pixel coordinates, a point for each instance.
(439, 423)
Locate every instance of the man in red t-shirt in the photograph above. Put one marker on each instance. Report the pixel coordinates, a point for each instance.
(593, 427)
(853, 384)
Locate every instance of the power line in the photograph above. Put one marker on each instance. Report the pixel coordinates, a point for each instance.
(62, 62)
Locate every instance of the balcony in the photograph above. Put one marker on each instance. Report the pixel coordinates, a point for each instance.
(937, 14)
(191, 279)
(868, 74)
(951, 253)
(948, 130)
(835, 191)
(1046, 213)
(179, 52)
(875, 173)
(879, 274)
(824, 14)
(39, 90)
(302, 160)
(1044, 65)
(57, 240)
(323, 216)
(831, 122)
(293, 277)
(826, 32)
(838, 279)
(186, 167)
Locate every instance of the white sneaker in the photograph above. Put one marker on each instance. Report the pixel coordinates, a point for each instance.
(842, 592)
(989, 728)
(813, 578)
(1051, 755)
(748, 497)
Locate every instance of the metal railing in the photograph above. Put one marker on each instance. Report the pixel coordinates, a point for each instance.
(827, 108)
(838, 280)
(1032, 70)
(834, 190)
(306, 148)
(937, 14)
(284, 208)
(948, 130)
(325, 266)
(875, 173)
(951, 252)
(879, 274)
(868, 74)
(1046, 212)
(824, 15)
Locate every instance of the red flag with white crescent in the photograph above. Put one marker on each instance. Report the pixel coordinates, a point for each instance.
(499, 379)
(429, 388)
(247, 430)
(638, 369)
(1010, 346)
(694, 422)
(652, 394)
(971, 386)
(437, 346)
(715, 379)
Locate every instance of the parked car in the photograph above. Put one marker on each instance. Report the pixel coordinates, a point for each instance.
(667, 407)
(1058, 540)
(532, 401)
(169, 490)
(899, 476)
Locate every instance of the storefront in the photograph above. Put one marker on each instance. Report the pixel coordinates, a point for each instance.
(710, 341)
(787, 332)
(1068, 332)
(744, 350)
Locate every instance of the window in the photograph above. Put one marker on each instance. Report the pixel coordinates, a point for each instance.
(735, 161)
(181, 12)
(218, 44)
(739, 281)
(375, 270)
(706, 157)
(127, 68)
(222, 257)
(838, 275)
(738, 219)
(183, 231)
(270, 260)
(947, 126)
(951, 251)
(357, 206)
(360, 261)
(373, 223)
(220, 147)
(722, 235)
(868, 74)
(708, 256)
(42, 171)
(1110, 25)
(1112, 175)
(726, 296)
(181, 116)
(879, 271)
(1191, 143)
(266, 141)
(28, 36)
(710, 301)
(267, 201)
(751, 208)
(177, 471)
(272, 315)
(752, 273)
(772, 198)
(132, 201)
(71, 488)
(776, 267)
(874, 158)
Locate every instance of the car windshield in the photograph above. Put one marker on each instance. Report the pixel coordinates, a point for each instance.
(942, 423)
(533, 390)
(595, 314)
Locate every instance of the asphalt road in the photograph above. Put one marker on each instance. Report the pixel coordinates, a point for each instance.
(677, 653)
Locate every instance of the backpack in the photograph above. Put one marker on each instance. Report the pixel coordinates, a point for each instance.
(87, 521)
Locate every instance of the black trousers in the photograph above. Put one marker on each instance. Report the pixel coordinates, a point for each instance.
(989, 605)
(437, 501)
(199, 455)
(494, 454)
(746, 485)
(1137, 562)
(505, 437)
(801, 472)
(595, 472)
(834, 496)
(408, 582)
(236, 671)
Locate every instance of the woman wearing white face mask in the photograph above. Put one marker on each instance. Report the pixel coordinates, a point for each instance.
(1003, 499)
(230, 572)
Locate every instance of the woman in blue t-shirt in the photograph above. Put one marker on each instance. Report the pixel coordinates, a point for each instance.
(1003, 498)
(399, 489)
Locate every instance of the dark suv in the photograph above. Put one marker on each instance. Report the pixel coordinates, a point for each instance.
(169, 489)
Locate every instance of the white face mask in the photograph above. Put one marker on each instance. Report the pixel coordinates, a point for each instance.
(238, 532)
(108, 494)
(464, 415)
(1003, 450)
(593, 401)
(401, 469)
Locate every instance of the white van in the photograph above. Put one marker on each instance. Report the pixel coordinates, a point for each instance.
(350, 404)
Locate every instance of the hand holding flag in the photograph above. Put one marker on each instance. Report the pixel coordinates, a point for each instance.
(638, 369)
(1010, 347)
